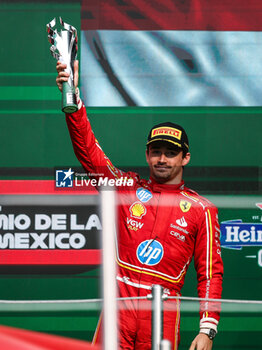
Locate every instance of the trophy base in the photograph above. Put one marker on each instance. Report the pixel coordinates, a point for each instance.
(70, 109)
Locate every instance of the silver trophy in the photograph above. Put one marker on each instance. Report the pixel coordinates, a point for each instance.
(64, 49)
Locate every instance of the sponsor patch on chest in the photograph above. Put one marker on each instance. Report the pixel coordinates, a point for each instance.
(143, 194)
(179, 228)
(150, 252)
(137, 210)
(133, 224)
(182, 222)
(184, 206)
(178, 235)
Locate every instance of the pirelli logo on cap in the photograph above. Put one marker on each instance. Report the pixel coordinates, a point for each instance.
(167, 131)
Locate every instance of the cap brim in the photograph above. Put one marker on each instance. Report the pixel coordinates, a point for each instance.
(165, 140)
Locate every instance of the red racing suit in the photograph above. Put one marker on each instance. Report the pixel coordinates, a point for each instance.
(160, 228)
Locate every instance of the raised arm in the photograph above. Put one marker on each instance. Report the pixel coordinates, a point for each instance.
(86, 146)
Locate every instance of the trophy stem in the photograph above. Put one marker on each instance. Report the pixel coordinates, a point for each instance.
(69, 104)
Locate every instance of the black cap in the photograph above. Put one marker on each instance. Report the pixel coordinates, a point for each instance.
(169, 132)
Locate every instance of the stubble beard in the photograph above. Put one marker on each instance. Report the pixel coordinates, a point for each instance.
(165, 176)
(161, 176)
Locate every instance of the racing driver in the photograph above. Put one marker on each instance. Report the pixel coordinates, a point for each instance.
(161, 225)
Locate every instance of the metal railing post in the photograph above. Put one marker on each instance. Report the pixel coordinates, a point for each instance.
(109, 269)
(165, 345)
(157, 316)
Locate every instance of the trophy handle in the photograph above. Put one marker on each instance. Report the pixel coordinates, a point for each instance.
(69, 103)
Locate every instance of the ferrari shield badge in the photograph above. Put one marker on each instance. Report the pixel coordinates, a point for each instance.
(185, 206)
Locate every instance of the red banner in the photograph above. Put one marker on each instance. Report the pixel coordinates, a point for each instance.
(14, 339)
(209, 15)
(41, 187)
(36, 234)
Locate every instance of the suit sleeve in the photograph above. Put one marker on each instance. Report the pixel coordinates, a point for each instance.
(87, 148)
(209, 266)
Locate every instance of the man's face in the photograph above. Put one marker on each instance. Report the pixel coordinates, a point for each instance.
(165, 162)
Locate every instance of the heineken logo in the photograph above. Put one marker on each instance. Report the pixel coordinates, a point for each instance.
(236, 234)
